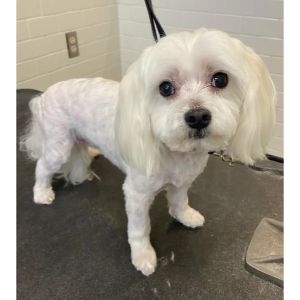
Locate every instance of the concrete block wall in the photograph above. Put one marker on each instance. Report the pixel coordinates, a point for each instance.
(42, 57)
(258, 23)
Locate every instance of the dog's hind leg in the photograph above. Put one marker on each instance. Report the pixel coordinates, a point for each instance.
(54, 156)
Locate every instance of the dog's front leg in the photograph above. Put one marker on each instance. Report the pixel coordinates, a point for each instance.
(138, 204)
(179, 207)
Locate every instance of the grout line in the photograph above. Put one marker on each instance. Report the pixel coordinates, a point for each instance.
(70, 65)
(262, 55)
(84, 74)
(240, 35)
(269, 56)
(63, 31)
(105, 68)
(190, 29)
(229, 32)
(41, 7)
(257, 36)
(94, 74)
(205, 12)
(66, 12)
(65, 49)
(277, 74)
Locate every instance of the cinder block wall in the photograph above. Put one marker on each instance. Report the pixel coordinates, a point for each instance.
(258, 23)
(42, 57)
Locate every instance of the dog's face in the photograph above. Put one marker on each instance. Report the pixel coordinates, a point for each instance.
(195, 87)
(200, 91)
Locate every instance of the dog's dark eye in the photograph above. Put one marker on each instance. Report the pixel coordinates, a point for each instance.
(219, 80)
(166, 89)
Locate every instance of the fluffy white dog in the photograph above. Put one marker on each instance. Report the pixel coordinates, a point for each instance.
(191, 93)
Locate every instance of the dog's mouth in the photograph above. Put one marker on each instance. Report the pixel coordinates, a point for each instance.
(198, 133)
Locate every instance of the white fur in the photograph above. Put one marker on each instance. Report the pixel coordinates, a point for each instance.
(145, 135)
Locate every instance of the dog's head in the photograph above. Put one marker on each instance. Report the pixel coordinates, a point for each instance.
(201, 91)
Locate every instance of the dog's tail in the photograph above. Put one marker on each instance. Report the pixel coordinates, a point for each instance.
(32, 139)
(77, 169)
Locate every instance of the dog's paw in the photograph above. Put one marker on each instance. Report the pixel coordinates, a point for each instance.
(43, 195)
(143, 258)
(188, 217)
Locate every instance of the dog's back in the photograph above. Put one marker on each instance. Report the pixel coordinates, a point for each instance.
(67, 114)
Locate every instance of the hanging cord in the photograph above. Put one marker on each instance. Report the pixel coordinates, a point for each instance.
(155, 25)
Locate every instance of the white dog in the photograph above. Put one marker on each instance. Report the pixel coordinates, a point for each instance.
(189, 94)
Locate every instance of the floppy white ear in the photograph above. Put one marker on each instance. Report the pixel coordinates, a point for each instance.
(257, 113)
(134, 135)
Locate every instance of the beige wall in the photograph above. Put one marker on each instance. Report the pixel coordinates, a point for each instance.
(42, 57)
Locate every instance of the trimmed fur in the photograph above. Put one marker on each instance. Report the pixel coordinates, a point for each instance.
(145, 134)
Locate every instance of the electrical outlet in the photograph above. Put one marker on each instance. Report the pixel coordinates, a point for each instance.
(72, 44)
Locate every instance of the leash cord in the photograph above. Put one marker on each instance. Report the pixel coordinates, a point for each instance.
(155, 25)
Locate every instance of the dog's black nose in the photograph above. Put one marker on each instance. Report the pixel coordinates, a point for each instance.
(197, 118)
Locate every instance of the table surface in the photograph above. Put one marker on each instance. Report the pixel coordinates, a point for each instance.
(77, 247)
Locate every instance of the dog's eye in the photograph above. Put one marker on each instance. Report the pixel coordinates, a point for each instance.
(219, 80)
(166, 89)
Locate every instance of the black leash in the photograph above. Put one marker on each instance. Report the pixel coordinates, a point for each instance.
(155, 25)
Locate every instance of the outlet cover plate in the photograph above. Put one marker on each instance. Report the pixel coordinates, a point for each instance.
(72, 44)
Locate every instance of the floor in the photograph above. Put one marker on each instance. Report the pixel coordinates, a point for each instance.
(77, 247)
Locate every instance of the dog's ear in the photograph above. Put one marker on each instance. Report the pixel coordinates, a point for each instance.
(134, 135)
(257, 115)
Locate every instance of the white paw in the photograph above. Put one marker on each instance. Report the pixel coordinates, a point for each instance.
(43, 195)
(143, 258)
(189, 217)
